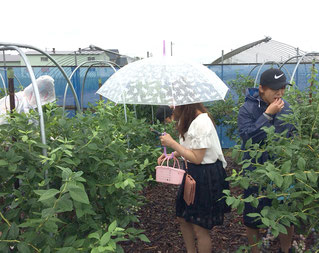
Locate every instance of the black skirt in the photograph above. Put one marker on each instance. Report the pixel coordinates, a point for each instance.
(209, 206)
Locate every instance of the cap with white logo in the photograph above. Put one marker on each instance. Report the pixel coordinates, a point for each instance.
(274, 79)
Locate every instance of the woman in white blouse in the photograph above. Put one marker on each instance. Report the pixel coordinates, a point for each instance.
(200, 146)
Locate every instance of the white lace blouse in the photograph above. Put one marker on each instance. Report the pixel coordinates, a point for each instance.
(202, 134)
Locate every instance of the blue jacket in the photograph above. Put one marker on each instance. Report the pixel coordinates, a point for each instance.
(251, 120)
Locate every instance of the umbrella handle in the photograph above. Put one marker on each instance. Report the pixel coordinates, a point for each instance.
(172, 155)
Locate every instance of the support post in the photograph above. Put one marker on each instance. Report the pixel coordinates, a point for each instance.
(12, 106)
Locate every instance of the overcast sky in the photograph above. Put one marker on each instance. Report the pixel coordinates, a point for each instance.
(199, 29)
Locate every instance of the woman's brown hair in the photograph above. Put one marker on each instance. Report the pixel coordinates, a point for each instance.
(185, 114)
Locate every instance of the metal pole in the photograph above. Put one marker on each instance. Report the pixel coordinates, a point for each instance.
(5, 66)
(222, 77)
(12, 106)
(11, 89)
(100, 84)
(75, 59)
(171, 48)
(297, 72)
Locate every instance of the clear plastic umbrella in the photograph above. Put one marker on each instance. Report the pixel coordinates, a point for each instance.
(164, 80)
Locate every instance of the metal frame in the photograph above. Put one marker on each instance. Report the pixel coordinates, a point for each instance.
(84, 79)
(74, 71)
(267, 62)
(299, 61)
(57, 65)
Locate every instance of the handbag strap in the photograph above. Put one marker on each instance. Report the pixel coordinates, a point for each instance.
(186, 167)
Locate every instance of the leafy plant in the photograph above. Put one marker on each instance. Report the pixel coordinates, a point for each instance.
(88, 181)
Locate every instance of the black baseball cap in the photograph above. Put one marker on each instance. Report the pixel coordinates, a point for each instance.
(274, 79)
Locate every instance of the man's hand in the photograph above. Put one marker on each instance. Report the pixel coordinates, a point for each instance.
(275, 106)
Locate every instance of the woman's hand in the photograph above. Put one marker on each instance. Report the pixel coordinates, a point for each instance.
(167, 140)
(160, 159)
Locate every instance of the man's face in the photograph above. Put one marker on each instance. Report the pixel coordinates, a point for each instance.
(270, 95)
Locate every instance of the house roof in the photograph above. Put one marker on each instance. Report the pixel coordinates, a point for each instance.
(262, 51)
(10, 58)
(82, 52)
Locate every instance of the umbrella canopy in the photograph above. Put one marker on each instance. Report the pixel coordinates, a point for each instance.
(163, 81)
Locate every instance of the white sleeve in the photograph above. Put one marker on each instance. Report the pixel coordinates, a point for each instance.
(201, 134)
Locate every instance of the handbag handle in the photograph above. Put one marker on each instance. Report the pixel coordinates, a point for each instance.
(167, 161)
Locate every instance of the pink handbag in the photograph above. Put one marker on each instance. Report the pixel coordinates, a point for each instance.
(167, 174)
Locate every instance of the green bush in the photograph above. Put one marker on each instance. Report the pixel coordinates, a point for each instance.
(83, 195)
(290, 178)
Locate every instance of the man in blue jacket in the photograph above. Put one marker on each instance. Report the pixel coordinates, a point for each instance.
(262, 107)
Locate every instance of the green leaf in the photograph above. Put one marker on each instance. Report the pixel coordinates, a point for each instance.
(246, 165)
(69, 161)
(79, 194)
(78, 243)
(240, 207)
(302, 216)
(236, 203)
(286, 167)
(301, 164)
(3, 162)
(230, 200)
(69, 240)
(244, 183)
(109, 162)
(265, 221)
(271, 175)
(23, 248)
(308, 200)
(112, 226)
(278, 180)
(95, 250)
(264, 212)
(301, 176)
(255, 203)
(253, 215)
(13, 232)
(95, 235)
(48, 212)
(46, 194)
(93, 146)
(143, 238)
(281, 229)
(50, 226)
(64, 204)
(105, 238)
(67, 250)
